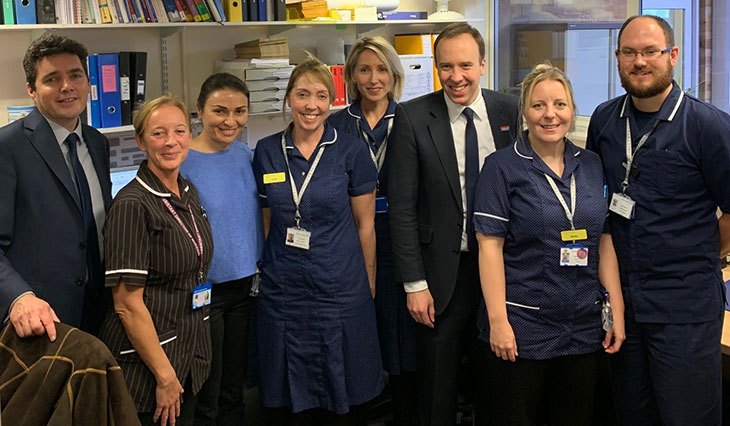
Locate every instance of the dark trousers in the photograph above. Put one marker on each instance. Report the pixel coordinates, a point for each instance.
(187, 409)
(556, 392)
(440, 349)
(220, 401)
(283, 416)
(668, 374)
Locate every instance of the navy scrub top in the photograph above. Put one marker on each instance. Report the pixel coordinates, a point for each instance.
(315, 320)
(553, 310)
(350, 120)
(669, 254)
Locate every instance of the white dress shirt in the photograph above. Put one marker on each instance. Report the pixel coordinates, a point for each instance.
(97, 199)
(486, 147)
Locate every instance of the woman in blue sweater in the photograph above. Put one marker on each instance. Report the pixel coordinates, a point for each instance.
(220, 167)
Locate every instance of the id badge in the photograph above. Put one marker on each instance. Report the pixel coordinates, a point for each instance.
(381, 205)
(298, 238)
(201, 295)
(574, 255)
(606, 316)
(622, 205)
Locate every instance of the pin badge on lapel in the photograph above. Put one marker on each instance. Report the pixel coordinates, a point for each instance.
(504, 128)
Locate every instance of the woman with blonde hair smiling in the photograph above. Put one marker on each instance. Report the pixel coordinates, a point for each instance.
(548, 271)
(374, 78)
(158, 247)
(315, 321)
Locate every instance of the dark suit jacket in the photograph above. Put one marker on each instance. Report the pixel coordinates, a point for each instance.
(42, 234)
(426, 211)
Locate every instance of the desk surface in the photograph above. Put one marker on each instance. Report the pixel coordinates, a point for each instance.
(726, 325)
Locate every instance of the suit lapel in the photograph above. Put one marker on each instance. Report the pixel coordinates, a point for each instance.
(440, 130)
(498, 119)
(41, 136)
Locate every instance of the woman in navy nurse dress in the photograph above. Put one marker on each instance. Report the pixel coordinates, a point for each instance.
(374, 78)
(539, 214)
(315, 320)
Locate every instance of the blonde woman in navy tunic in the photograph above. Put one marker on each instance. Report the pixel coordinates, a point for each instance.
(374, 78)
(545, 265)
(315, 321)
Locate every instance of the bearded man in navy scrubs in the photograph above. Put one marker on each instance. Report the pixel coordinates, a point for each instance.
(666, 158)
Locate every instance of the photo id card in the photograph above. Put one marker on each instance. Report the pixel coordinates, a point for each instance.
(201, 295)
(298, 238)
(622, 205)
(574, 255)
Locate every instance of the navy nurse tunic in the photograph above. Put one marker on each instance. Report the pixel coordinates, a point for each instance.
(316, 332)
(553, 310)
(396, 327)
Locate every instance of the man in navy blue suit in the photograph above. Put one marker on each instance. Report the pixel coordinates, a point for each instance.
(54, 190)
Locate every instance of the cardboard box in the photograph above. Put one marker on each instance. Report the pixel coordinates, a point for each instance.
(418, 75)
(414, 44)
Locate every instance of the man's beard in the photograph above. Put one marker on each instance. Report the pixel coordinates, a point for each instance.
(661, 82)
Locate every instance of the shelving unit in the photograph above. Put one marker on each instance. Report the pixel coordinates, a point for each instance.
(182, 54)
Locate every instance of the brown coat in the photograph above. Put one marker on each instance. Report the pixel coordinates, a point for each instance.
(74, 381)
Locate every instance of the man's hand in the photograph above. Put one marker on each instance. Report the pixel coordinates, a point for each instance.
(420, 306)
(32, 316)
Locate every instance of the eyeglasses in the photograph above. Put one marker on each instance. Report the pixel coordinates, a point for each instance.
(651, 53)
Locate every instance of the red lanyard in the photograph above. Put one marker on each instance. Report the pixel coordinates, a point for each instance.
(197, 244)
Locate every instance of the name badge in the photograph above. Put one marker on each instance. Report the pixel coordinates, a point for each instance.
(274, 178)
(574, 255)
(201, 295)
(574, 235)
(381, 205)
(298, 238)
(622, 205)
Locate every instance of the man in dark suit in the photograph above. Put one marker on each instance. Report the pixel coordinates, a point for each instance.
(438, 143)
(54, 190)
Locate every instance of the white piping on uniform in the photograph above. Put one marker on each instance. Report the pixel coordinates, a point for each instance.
(504, 219)
(126, 271)
(536, 308)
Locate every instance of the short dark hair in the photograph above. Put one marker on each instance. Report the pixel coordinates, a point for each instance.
(455, 30)
(666, 28)
(50, 44)
(220, 81)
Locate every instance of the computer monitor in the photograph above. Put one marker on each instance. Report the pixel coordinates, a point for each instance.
(122, 176)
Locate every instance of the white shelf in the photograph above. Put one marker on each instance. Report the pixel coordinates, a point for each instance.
(110, 131)
(225, 24)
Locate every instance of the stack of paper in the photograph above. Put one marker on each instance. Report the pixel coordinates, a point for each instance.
(264, 48)
(310, 9)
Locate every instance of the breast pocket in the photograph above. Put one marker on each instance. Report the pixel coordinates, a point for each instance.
(659, 169)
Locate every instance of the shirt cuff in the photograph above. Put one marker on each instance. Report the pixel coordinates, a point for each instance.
(10, 309)
(415, 286)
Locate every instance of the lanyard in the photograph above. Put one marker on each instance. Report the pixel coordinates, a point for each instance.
(298, 195)
(379, 156)
(569, 213)
(629, 154)
(198, 244)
